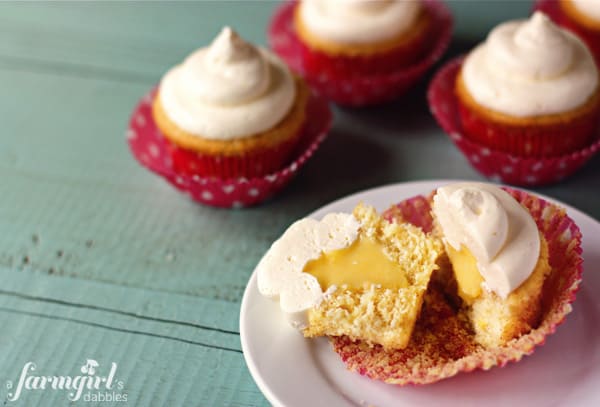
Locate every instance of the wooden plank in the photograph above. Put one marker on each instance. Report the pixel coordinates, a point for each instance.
(128, 40)
(170, 349)
(154, 370)
(148, 306)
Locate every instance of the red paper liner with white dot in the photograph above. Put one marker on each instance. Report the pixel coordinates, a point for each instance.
(316, 63)
(441, 345)
(330, 77)
(538, 141)
(153, 151)
(553, 9)
(496, 164)
(251, 164)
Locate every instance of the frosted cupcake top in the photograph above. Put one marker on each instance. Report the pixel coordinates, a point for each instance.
(494, 227)
(228, 90)
(530, 68)
(280, 272)
(358, 21)
(590, 8)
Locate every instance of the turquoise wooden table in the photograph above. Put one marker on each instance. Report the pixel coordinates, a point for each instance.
(103, 265)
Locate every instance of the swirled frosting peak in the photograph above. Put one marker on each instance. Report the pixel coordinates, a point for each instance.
(225, 69)
(500, 234)
(537, 49)
(529, 68)
(359, 21)
(230, 89)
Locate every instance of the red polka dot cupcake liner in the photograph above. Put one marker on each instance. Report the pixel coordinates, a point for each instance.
(249, 165)
(316, 63)
(441, 348)
(498, 165)
(332, 79)
(543, 141)
(553, 9)
(154, 151)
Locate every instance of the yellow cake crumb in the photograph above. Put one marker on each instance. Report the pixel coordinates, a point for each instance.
(496, 321)
(373, 313)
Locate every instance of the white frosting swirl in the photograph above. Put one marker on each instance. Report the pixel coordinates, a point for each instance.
(530, 68)
(358, 21)
(590, 8)
(228, 90)
(280, 271)
(494, 227)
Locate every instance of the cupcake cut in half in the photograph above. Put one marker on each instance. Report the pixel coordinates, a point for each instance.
(351, 274)
(499, 259)
(471, 277)
(230, 110)
(531, 89)
(513, 266)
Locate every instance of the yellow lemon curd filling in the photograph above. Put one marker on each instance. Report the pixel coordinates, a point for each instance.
(496, 320)
(358, 266)
(375, 286)
(466, 272)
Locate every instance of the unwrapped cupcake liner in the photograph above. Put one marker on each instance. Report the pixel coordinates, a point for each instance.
(249, 165)
(434, 352)
(553, 9)
(154, 151)
(356, 90)
(496, 164)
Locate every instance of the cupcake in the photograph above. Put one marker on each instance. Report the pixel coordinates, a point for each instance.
(230, 110)
(531, 89)
(512, 267)
(358, 37)
(499, 278)
(355, 274)
(359, 52)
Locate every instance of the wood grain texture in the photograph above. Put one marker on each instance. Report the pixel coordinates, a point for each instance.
(101, 259)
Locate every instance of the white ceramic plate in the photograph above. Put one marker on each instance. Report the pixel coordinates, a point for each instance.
(292, 371)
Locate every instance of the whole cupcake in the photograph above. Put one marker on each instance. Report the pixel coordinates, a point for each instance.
(531, 89)
(230, 110)
(358, 37)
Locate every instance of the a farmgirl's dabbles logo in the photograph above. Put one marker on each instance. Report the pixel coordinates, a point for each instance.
(88, 386)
